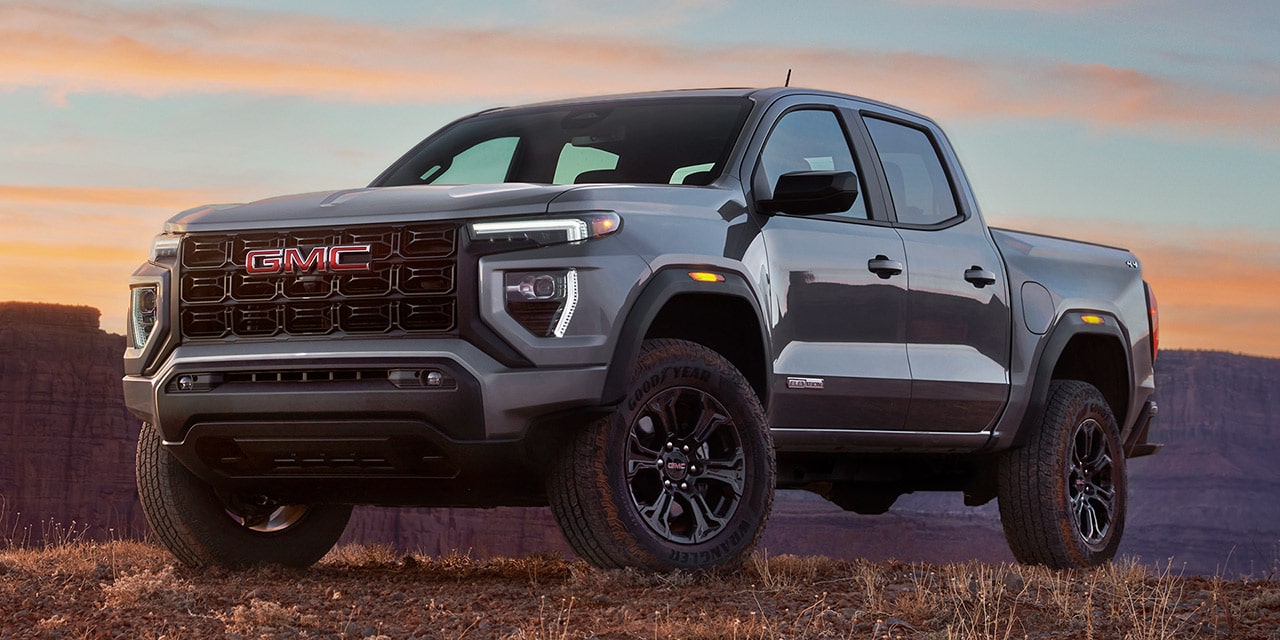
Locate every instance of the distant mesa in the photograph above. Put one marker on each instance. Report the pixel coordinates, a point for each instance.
(46, 314)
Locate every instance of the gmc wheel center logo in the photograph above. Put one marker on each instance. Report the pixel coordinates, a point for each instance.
(351, 257)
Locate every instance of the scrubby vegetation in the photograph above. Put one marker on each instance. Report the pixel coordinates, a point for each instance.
(124, 589)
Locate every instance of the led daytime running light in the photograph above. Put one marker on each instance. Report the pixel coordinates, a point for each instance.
(570, 303)
(573, 229)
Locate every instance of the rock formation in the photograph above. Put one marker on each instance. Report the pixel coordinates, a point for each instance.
(66, 440)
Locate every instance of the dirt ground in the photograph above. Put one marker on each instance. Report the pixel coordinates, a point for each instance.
(134, 590)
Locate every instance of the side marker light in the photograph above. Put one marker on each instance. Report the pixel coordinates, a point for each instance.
(706, 276)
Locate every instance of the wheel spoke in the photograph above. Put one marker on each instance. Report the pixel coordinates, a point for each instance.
(731, 472)
(640, 456)
(706, 523)
(1089, 527)
(658, 514)
(1083, 453)
(1105, 494)
(663, 411)
(709, 420)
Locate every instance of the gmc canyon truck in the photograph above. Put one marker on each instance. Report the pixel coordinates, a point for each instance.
(648, 312)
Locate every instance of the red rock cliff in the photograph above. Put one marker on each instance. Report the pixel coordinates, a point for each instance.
(66, 440)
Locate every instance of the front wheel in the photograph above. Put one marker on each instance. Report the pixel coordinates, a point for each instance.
(203, 526)
(1063, 495)
(679, 476)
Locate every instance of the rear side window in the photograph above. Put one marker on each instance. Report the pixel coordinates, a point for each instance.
(918, 184)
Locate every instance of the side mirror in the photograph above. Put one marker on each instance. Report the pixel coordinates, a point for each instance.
(809, 193)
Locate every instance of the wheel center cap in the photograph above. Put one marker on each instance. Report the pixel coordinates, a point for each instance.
(675, 465)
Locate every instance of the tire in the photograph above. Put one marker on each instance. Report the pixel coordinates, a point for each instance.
(204, 527)
(679, 476)
(1063, 496)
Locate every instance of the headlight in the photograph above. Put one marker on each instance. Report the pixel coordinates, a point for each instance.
(513, 234)
(542, 301)
(142, 315)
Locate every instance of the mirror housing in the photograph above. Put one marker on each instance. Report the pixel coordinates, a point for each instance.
(809, 193)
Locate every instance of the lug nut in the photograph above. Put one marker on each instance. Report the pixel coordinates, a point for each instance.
(666, 483)
(671, 445)
(685, 448)
(693, 468)
(684, 486)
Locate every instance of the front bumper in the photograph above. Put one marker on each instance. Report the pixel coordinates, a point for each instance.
(354, 420)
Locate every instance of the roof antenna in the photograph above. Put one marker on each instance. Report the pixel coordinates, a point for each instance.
(788, 82)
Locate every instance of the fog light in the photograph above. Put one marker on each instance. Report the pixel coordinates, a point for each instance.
(542, 301)
(535, 287)
(194, 382)
(142, 315)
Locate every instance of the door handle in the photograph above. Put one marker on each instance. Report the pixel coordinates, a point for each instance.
(979, 277)
(884, 267)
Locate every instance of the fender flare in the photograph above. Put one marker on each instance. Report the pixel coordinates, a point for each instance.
(1068, 327)
(656, 293)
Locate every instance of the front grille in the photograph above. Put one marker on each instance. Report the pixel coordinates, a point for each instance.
(412, 287)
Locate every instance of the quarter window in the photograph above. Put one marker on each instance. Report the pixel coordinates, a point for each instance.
(918, 184)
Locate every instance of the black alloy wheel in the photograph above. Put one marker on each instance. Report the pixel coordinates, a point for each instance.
(685, 465)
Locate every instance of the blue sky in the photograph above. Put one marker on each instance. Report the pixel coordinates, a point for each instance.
(1152, 125)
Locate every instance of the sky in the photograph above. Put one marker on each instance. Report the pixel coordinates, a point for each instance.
(1148, 124)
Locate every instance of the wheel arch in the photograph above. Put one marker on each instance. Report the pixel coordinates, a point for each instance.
(729, 322)
(1092, 353)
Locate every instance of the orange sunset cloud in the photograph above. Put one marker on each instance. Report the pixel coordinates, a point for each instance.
(156, 51)
(1216, 291)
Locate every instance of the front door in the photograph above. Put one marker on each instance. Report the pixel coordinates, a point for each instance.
(838, 288)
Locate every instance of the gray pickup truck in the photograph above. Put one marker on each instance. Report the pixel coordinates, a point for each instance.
(647, 311)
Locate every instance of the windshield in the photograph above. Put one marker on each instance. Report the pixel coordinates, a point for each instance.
(644, 141)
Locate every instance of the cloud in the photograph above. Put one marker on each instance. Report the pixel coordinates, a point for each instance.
(1048, 6)
(134, 197)
(67, 49)
(1217, 289)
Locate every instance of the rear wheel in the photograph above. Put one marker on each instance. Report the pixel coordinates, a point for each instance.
(1063, 496)
(680, 476)
(203, 526)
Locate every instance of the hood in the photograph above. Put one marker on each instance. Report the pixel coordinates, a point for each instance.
(371, 205)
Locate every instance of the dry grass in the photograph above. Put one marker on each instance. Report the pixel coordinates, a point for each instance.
(80, 589)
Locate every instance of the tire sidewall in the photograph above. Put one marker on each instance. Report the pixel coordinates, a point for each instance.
(190, 519)
(673, 364)
(1089, 404)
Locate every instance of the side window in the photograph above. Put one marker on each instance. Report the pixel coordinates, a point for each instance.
(809, 140)
(483, 163)
(917, 182)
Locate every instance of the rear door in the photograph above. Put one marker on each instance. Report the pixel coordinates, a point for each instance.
(957, 316)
